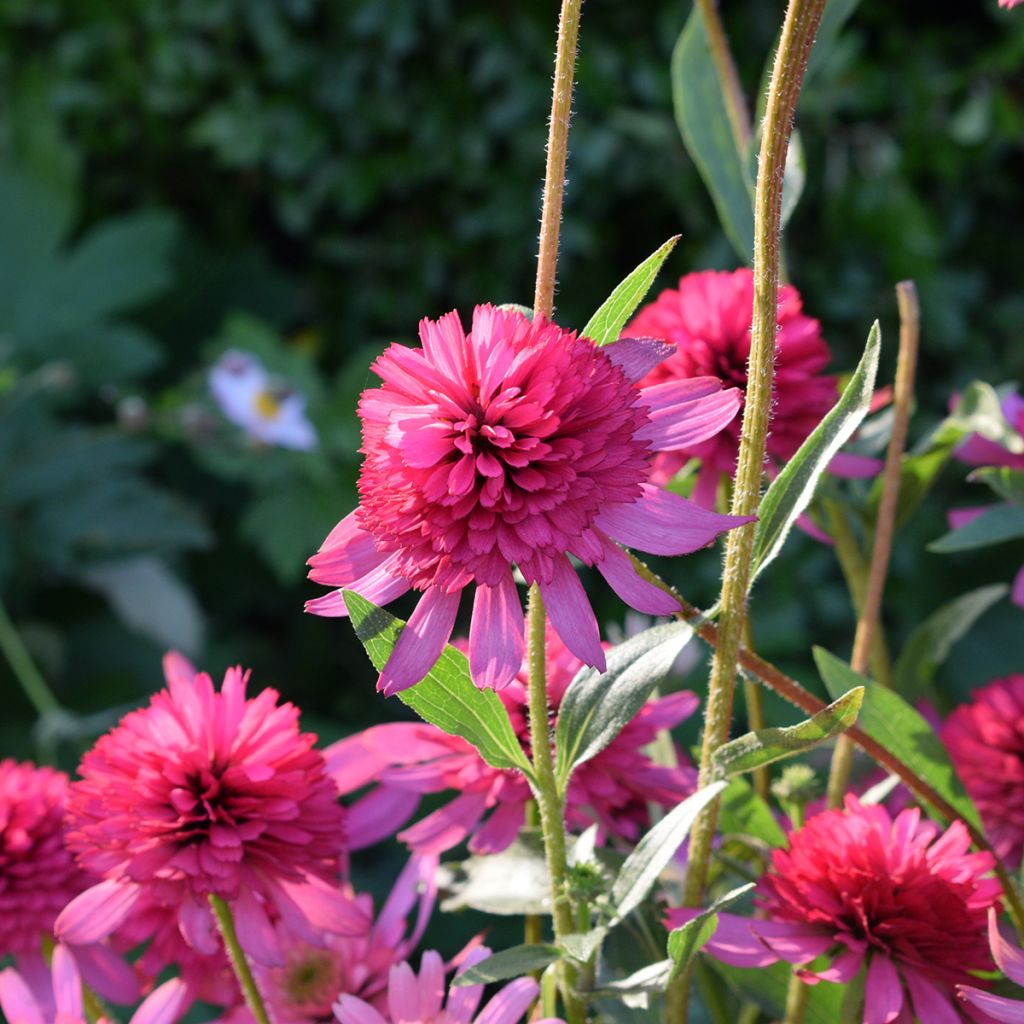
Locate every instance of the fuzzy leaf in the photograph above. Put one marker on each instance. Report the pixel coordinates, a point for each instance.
(792, 490)
(598, 705)
(686, 942)
(652, 854)
(447, 697)
(889, 720)
(995, 525)
(930, 644)
(698, 95)
(763, 746)
(606, 324)
(508, 963)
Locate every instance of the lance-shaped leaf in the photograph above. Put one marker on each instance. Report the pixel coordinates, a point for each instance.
(1007, 483)
(509, 963)
(597, 705)
(685, 942)
(641, 868)
(698, 95)
(889, 720)
(994, 526)
(792, 490)
(447, 696)
(606, 324)
(763, 746)
(930, 644)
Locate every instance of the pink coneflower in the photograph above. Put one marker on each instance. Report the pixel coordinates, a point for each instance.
(408, 760)
(420, 999)
(985, 739)
(707, 319)
(517, 444)
(860, 886)
(1010, 960)
(206, 793)
(55, 997)
(38, 874)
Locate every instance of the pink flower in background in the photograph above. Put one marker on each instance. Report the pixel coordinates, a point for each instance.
(1010, 3)
(1010, 960)
(209, 793)
(707, 318)
(420, 998)
(410, 760)
(861, 886)
(985, 739)
(55, 997)
(38, 874)
(517, 444)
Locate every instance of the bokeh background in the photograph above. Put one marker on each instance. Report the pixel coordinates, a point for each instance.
(306, 179)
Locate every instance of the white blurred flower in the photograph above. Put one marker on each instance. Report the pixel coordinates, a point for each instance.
(263, 406)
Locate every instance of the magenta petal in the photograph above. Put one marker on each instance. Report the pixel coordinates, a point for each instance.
(257, 935)
(733, 942)
(570, 613)
(1007, 1011)
(378, 815)
(883, 994)
(447, 826)
(500, 829)
(510, 1003)
(637, 592)
(421, 642)
(379, 585)
(312, 907)
(348, 553)
(854, 467)
(839, 972)
(1009, 958)
(96, 912)
(16, 999)
(636, 357)
(496, 635)
(798, 944)
(930, 1003)
(1017, 591)
(162, 1005)
(67, 985)
(682, 415)
(106, 973)
(663, 523)
(350, 1010)
(197, 926)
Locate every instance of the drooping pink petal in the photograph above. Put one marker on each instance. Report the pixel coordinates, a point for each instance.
(571, 615)
(496, 634)
(350, 1010)
(67, 985)
(313, 906)
(348, 553)
(379, 585)
(683, 413)
(255, 931)
(930, 1003)
(1017, 590)
(97, 912)
(636, 357)
(1010, 958)
(663, 523)
(500, 829)
(198, 927)
(637, 592)
(379, 814)
(163, 1005)
(854, 466)
(16, 999)
(447, 826)
(106, 973)
(420, 643)
(1007, 1011)
(509, 1005)
(883, 992)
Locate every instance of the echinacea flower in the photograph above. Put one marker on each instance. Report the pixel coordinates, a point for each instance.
(265, 407)
(862, 887)
(204, 793)
(985, 739)
(55, 996)
(420, 998)
(1010, 960)
(707, 318)
(408, 760)
(517, 444)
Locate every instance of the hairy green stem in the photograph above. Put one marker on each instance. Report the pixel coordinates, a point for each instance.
(24, 668)
(735, 101)
(558, 154)
(885, 524)
(796, 1000)
(226, 924)
(549, 799)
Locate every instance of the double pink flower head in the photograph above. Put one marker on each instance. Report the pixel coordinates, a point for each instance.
(516, 444)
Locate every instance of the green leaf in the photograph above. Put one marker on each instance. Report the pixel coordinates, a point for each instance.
(743, 812)
(980, 411)
(764, 746)
(1007, 483)
(930, 644)
(641, 868)
(606, 324)
(447, 697)
(582, 945)
(995, 525)
(889, 720)
(792, 490)
(509, 963)
(598, 705)
(699, 98)
(685, 942)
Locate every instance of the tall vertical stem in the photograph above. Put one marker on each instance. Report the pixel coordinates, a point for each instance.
(798, 31)
(240, 965)
(558, 152)
(735, 101)
(885, 524)
(24, 668)
(550, 800)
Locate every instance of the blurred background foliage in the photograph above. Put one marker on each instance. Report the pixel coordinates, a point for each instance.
(305, 180)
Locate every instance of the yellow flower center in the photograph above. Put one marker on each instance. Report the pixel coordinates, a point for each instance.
(267, 404)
